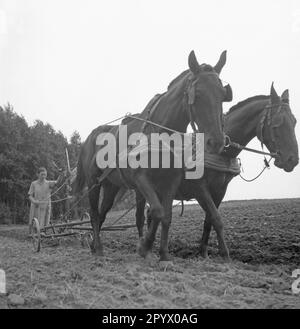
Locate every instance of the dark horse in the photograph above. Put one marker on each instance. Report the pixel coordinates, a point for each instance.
(195, 96)
(269, 118)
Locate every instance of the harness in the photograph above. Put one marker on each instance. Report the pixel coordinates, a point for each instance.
(267, 120)
(189, 100)
(190, 94)
(222, 163)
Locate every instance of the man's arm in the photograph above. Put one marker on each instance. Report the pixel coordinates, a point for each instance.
(54, 183)
(31, 193)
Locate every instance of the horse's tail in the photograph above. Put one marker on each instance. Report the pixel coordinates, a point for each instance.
(86, 157)
(80, 180)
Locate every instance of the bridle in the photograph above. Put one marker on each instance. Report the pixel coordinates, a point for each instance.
(267, 120)
(190, 95)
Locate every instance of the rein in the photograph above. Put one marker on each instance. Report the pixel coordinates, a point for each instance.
(129, 115)
(267, 166)
(240, 147)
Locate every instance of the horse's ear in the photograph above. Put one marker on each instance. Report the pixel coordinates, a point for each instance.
(274, 96)
(193, 63)
(285, 97)
(222, 61)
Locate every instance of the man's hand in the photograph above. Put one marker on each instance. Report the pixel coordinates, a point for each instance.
(34, 201)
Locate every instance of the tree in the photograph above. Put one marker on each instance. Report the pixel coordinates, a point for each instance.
(74, 148)
(23, 149)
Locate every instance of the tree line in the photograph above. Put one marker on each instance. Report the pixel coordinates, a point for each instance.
(23, 149)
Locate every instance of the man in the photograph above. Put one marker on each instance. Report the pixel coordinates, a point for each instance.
(40, 197)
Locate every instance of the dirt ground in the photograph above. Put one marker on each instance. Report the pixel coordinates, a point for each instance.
(263, 237)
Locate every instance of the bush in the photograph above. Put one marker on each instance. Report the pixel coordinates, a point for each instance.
(5, 214)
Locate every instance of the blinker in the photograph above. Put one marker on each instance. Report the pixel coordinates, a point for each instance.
(228, 93)
(277, 120)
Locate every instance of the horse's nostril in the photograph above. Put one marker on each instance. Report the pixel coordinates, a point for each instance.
(293, 160)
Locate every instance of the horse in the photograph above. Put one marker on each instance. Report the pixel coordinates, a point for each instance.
(196, 96)
(270, 119)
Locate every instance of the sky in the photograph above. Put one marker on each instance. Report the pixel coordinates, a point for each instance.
(78, 64)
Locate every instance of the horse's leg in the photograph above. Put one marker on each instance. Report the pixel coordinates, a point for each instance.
(148, 218)
(139, 214)
(94, 193)
(212, 218)
(167, 200)
(109, 194)
(207, 227)
(205, 236)
(156, 213)
(218, 192)
(165, 225)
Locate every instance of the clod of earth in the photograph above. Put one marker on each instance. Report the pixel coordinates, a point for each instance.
(16, 300)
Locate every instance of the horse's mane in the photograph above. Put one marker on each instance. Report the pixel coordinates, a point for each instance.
(203, 68)
(245, 102)
(180, 76)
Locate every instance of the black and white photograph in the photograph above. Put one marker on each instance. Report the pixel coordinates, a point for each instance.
(149, 157)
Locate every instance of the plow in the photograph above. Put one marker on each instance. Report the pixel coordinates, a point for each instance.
(79, 228)
(76, 228)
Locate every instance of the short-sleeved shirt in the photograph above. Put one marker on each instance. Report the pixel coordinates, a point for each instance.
(41, 191)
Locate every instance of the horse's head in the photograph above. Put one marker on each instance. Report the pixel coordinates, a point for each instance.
(206, 95)
(277, 131)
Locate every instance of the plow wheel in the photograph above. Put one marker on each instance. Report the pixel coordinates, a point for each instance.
(36, 235)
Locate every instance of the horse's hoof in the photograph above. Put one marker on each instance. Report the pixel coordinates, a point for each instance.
(141, 250)
(226, 259)
(150, 259)
(139, 245)
(166, 264)
(165, 257)
(203, 253)
(225, 256)
(99, 253)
